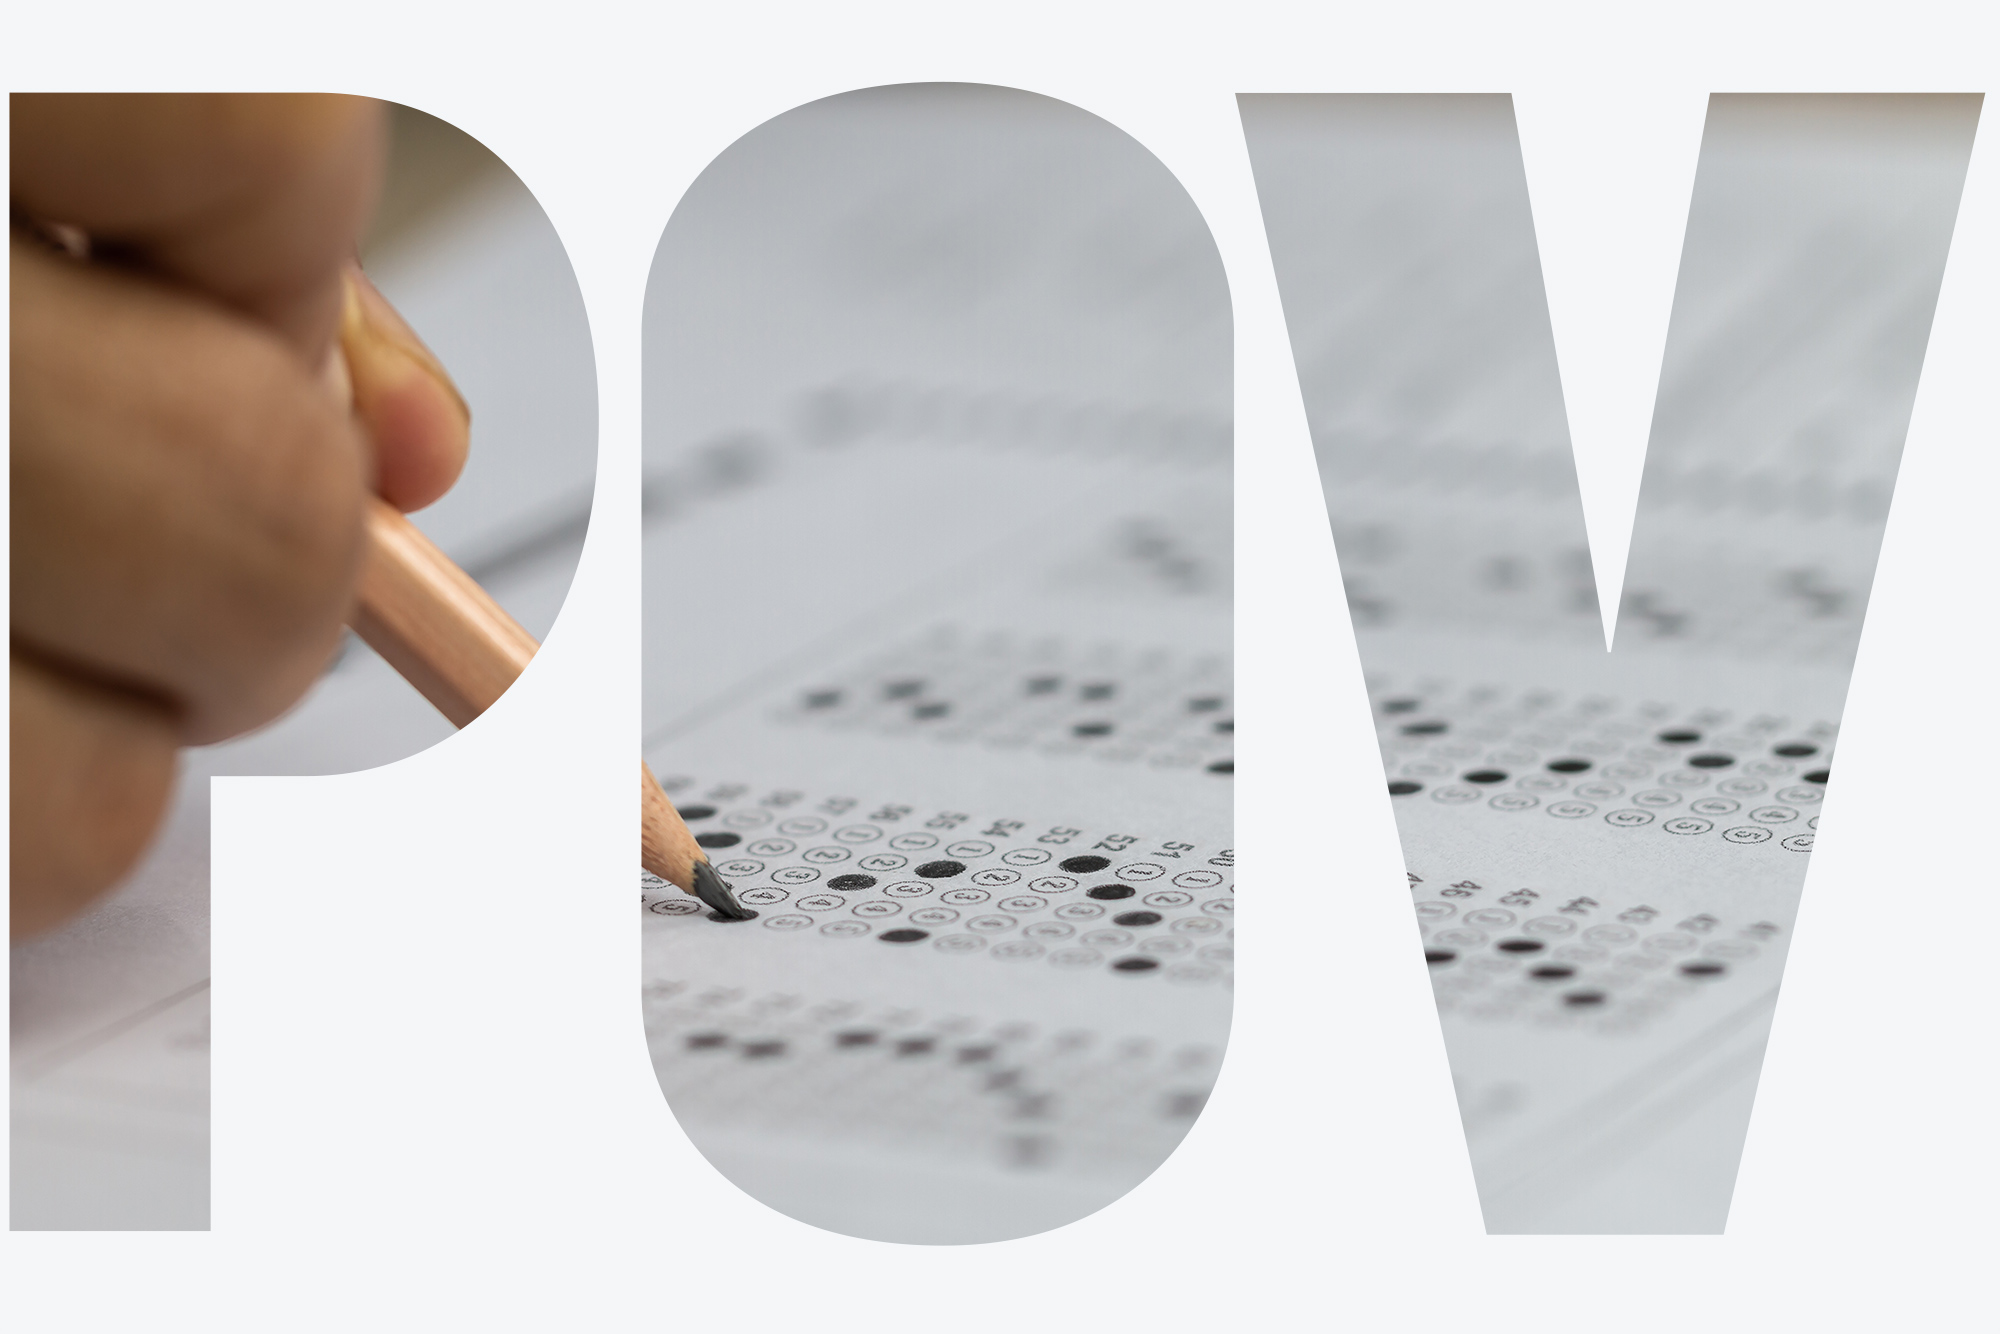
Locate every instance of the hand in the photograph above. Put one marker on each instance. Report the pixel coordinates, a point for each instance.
(191, 448)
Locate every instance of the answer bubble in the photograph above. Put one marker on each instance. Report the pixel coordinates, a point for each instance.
(877, 908)
(680, 907)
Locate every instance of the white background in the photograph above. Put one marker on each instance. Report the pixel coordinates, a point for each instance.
(432, 1102)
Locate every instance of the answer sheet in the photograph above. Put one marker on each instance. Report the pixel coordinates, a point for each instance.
(938, 633)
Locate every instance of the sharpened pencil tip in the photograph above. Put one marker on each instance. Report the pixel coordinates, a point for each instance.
(713, 890)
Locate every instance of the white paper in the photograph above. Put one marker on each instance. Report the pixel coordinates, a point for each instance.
(1607, 852)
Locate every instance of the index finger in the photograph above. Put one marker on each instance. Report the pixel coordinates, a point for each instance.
(255, 199)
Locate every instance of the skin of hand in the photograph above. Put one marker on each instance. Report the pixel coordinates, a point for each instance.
(199, 409)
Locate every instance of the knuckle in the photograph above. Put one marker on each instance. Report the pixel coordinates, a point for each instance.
(296, 476)
(275, 138)
(92, 772)
(306, 515)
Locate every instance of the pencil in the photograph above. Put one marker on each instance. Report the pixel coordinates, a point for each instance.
(669, 851)
(449, 639)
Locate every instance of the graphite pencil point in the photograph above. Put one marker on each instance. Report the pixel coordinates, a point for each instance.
(713, 890)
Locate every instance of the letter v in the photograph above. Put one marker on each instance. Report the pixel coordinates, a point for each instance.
(1607, 850)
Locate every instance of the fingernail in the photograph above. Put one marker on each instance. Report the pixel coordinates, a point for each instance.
(369, 323)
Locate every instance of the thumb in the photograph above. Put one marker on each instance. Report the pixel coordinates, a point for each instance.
(412, 411)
